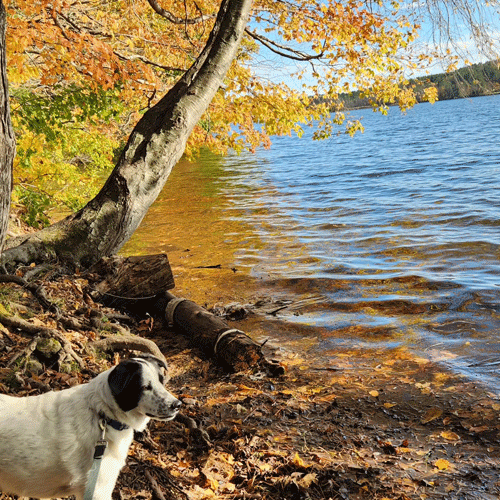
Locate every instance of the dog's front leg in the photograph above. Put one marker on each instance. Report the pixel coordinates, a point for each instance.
(108, 475)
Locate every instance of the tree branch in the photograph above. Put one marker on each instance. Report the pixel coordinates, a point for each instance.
(178, 20)
(283, 50)
(146, 61)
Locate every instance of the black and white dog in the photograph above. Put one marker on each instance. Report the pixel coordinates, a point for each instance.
(47, 442)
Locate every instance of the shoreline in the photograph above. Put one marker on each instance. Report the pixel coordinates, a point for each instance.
(202, 247)
(372, 425)
(364, 427)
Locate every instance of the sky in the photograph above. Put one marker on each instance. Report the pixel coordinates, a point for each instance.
(441, 28)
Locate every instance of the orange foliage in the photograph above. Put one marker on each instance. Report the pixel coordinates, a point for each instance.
(336, 46)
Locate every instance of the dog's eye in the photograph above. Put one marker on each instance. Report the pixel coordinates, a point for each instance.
(148, 387)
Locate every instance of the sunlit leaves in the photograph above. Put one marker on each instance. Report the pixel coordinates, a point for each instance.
(431, 414)
(50, 110)
(430, 94)
(58, 162)
(97, 65)
(442, 464)
(348, 45)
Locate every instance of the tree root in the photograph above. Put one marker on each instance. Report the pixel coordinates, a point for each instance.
(42, 331)
(198, 434)
(36, 290)
(131, 342)
(95, 322)
(26, 352)
(110, 343)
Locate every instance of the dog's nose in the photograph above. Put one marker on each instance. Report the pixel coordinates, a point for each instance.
(176, 405)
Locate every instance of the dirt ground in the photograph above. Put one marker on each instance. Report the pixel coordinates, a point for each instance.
(364, 427)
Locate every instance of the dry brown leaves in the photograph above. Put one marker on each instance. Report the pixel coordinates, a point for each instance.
(397, 429)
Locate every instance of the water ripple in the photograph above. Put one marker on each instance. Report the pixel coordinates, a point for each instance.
(400, 222)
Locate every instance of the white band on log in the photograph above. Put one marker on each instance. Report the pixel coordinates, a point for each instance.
(223, 334)
(170, 309)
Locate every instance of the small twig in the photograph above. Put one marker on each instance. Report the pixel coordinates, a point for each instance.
(283, 50)
(167, 482)
(5, 333)
(274, 311)
(329, 369)
(249, 415)
(155, 486)
(138, 57)
(178, 20)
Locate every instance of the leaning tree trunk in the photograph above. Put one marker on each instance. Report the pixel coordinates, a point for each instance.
(7, 141)
(154, 147)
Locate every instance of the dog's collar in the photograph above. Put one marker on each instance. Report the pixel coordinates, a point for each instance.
(115, 424)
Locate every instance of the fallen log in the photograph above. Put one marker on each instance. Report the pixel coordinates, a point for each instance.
(231, 348)
(139, 286)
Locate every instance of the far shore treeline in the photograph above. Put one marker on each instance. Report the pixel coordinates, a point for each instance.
(470, 81)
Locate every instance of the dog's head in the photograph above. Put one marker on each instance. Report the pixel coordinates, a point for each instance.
(137, 384)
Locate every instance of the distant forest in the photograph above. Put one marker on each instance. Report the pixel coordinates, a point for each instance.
(470, 81)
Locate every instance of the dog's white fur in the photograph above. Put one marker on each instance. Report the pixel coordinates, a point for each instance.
(47, 442)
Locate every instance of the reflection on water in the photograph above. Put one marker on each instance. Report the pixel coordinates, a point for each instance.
(187, 223)
(388, 239)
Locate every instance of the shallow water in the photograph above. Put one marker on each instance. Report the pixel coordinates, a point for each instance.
(387, 239)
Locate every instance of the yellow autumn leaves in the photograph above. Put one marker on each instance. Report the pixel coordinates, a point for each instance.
(125, 48)
(101, 45)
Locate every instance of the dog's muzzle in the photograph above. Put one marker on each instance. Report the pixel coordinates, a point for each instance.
(167, 411)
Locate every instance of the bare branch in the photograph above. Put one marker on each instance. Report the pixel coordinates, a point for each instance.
(283, 50)
(69, 21)
(178, 20)
(146, 61)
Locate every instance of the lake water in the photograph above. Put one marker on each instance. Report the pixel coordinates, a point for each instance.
(386, 240)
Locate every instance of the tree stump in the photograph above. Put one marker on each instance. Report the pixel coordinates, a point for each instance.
(134, 284)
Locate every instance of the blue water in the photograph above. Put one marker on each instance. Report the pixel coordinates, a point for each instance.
(415, 194)
(394, 233)
(398, 227)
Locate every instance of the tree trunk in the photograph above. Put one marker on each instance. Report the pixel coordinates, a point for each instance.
(7, 140)
(156, 144)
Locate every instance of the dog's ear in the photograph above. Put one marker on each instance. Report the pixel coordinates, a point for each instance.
(160, 362)
(125, 382)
